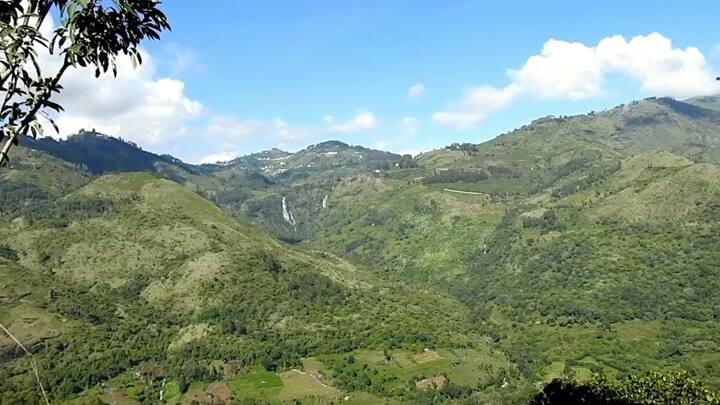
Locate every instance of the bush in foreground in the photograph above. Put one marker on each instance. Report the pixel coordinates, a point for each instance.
(654, 388)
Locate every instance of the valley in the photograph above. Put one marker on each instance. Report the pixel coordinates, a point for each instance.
(477, 273)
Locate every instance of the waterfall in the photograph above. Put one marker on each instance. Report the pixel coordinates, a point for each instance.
(287, 215)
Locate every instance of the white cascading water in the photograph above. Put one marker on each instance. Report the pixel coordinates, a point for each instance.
(287, 215)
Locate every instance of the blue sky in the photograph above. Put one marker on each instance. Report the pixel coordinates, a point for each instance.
(256, 74)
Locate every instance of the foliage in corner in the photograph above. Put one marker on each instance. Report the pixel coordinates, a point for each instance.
(654, 388)
(90, 33)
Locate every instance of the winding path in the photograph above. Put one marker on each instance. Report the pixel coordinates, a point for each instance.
(449, 190)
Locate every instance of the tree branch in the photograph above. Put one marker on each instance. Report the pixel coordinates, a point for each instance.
(30, 116)
(4, 77)
(33, 363)
(40, 15)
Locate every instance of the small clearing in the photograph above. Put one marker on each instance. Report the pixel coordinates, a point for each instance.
(299, 385)
(431, 383)
(218, 392)
(427, 357)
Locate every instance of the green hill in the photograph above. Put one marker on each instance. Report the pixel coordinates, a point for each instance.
(587, 229)
(103, 154)
(254, 187)
(327, 159)
(571, 246)
(131, 269)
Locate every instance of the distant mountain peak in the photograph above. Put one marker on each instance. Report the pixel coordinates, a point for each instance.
(273, 153)
(101, 153)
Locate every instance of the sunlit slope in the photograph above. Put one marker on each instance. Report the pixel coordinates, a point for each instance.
(133, 249)
(550, 152)
(679, 127)
(632, 254)
(616, 263)
(167, 244)
(550, 158)
(33, 176)
(638, 244)
(427, 220)
(21, 309)
(571, 246)
(405, 231)
(254, 187)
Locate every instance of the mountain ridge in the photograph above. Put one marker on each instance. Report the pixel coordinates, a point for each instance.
(570, 246)
(705, 108)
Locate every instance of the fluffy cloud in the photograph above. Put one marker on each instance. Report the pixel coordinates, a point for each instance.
(571, 70)
(219, 157)
(416, 91)
(363, 121)
(137, 104)
(562, 70)
(475, 105)
(134, 105)
(662, 69)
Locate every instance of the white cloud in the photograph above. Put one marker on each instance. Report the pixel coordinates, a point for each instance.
(136, 105)
(409, 125)
(475, 106)
(218, 157)
(363, 121)
(329, 119)
(562, 70)
(571, 70)
(662, 69)
(416, 91)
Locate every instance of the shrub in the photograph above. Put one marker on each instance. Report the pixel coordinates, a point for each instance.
(653, 388)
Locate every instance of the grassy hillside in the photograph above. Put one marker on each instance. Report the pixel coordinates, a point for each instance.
(475, 273)
(131, 269)
(615, 276)
(254, 187)
(561, 155)
(665, 124)
(580, 230)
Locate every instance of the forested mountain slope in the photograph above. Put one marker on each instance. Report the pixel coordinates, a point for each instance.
(556, 154)
(103, 154)
(571, 246)
(130, 268)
